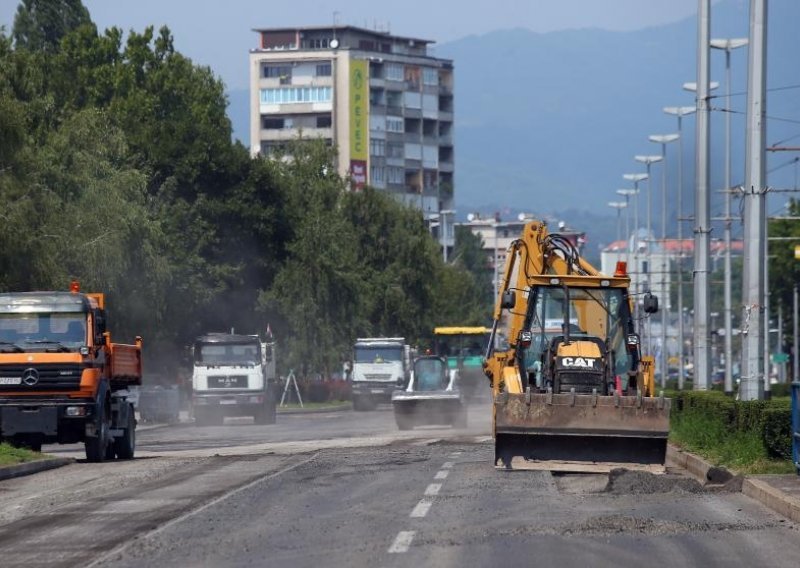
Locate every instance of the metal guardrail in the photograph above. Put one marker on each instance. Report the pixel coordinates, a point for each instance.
(796, 424)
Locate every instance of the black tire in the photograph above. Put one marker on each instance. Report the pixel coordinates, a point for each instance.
(125, 446)
(96, 447)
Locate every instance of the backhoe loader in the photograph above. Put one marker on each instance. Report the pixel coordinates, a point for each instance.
(570, 390)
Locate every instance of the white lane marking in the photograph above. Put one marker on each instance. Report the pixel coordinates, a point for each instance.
(402, 542)
(433, 489)
(441, 474)
(448, 465)
(455, 454)
(422, 508)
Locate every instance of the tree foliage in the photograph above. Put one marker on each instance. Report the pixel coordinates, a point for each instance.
(117, 168)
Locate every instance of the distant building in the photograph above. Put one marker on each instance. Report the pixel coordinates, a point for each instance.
(381, 99)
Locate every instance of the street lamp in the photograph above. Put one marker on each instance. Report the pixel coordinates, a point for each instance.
(680, 112)
(648, 161)
(619, 206)
(626, 193)
(636, 178)
(664, 139)
(692, 86)
(728, 45)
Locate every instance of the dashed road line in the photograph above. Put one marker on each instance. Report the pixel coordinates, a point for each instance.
(433, 489)
(441, 474)
(447, 465)
(421, 509)
(402, 542)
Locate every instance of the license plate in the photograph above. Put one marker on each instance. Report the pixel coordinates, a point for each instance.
(227, 382)
(10, 380)
(377, 391)
(224, 401)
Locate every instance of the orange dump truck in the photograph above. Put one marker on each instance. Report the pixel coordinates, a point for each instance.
(62, 380)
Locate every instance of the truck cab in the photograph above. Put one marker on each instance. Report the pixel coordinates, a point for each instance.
(233, 375)
(380, 365)
(61, 379)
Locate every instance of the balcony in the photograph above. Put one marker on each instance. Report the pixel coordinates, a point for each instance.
(286, 134)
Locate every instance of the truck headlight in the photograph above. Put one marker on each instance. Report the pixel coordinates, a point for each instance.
(75, 411)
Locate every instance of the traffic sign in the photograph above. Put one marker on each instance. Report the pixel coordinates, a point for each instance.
(780, 357)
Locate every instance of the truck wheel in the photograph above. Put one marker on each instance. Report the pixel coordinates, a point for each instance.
(96, 446)
(125, 446)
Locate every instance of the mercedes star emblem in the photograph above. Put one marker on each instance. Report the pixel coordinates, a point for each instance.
(30, 376)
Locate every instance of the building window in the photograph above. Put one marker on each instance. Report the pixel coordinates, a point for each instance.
(316, 43)
(394, 124)
(282, 72)
(394, 71)
(324, 70)
(377, 147)
(269, 123)
(324, 121)
(296, 95)
(395, 175)
(395, 150)
(430, 76)
(376, 174)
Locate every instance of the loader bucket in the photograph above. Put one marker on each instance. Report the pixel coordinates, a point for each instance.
(581, 432)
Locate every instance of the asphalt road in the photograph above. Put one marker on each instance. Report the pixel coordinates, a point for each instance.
(348, 489)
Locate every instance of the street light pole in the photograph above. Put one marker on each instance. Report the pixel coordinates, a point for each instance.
(702, 296)
(753, 289)
(627, 194)
(664, 139)
(636, 178)
(728, 45)
(619, 206)
(680, 112)
(648, 161)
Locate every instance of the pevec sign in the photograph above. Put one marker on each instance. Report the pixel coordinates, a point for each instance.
(797, 252)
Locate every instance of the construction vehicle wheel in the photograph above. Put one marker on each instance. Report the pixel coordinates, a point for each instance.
(97, 447)
(125, 445)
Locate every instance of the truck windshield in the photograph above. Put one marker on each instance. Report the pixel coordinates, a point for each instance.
(40, 331)
(378, 354)
(462, 345)
(227, 354)
(591, 312)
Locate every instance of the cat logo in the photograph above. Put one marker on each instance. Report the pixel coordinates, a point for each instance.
(581, 362)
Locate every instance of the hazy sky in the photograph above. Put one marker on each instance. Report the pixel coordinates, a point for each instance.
(218, 33)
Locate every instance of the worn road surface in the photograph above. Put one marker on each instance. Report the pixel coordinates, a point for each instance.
(349, 489)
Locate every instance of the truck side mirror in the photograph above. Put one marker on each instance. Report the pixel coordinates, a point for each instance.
(650, 303)
(509, 299)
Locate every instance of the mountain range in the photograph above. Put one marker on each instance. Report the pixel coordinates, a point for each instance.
(548, 123)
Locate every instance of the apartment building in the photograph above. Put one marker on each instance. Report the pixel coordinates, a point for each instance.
(383, 100)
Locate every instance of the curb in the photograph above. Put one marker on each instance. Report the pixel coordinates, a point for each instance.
(774, 498)
(340, 408)
(29, 468)
(771, 497)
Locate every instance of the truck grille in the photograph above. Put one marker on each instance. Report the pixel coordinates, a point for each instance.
(39, 377)
(583, 383)
(227, 381)
(378, 377)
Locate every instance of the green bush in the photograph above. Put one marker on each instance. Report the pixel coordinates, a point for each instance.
(735, 433)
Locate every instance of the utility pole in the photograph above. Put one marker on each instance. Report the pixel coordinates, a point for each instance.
(702, 296)
(796, 341)
(728, 45)
(752, 380)
(781, 364)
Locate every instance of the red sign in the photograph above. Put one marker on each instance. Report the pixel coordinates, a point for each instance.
(358, 173)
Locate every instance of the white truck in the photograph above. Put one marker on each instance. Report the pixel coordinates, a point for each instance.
(233, 375)
(380, 365)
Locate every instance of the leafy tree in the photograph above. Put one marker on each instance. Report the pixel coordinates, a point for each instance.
(39, 25)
